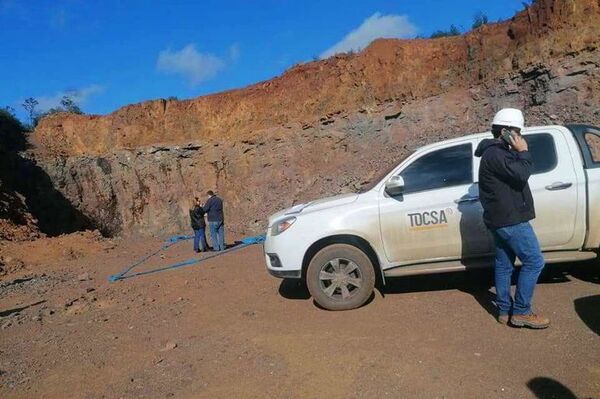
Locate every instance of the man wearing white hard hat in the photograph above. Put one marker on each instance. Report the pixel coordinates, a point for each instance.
(508, 207)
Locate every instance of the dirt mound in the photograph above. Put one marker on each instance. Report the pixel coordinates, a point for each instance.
(24, 258)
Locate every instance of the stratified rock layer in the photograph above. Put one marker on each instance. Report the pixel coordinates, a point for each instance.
(322, 127)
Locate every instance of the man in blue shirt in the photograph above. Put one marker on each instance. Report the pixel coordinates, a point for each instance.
(214, 215)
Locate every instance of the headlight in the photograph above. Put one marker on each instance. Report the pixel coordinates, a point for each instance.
(282, 226)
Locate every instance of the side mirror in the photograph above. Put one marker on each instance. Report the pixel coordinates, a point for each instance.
(394, 186)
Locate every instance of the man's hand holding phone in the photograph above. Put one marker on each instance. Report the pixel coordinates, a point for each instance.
(515, 140)
(519, 144)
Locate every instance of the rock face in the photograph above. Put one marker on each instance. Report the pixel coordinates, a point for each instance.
(322, 127)
(16, 222)
(388, 70)
(30, 205)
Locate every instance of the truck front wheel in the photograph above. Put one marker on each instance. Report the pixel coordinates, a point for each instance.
(340, 277)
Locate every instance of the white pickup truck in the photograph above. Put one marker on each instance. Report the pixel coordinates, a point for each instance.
(425, 217)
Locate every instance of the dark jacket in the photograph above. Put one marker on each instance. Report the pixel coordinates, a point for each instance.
(503, 189)
(214, 209)
(197, 217)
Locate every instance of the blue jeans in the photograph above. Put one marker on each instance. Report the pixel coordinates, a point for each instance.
(520, 241)
(200, 240)
(217, 235)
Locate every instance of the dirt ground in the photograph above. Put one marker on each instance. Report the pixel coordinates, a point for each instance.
(225, 328)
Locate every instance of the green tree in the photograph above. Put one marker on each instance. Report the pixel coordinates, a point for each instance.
(30, 105)
(479, 20)
(452, 31)
(69, 105)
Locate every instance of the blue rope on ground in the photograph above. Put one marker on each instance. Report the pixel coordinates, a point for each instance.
(245, 242)
(175, 239)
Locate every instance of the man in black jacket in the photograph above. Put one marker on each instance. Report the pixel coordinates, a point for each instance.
(198, 225)
(505, 167)
(216, 220)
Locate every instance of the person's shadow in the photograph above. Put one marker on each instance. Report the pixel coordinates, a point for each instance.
(548, 388)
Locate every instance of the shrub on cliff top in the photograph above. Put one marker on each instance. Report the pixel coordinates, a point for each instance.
(479, 20)
(67, 104)
(452, 31)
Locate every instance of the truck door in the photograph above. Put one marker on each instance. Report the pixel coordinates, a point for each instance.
(555, 188)
(588, 138)
(438, 216)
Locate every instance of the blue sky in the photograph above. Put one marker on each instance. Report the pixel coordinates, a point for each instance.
(111, 53)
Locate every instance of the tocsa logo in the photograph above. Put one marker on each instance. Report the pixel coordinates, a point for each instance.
(428, 220)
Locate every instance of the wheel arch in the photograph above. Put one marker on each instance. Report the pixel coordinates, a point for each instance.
(350, 239)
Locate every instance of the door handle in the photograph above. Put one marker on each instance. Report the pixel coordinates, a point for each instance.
(558, 186)
(466, 199)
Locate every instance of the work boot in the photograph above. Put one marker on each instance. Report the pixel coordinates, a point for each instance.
(503, 319)
(530, 320)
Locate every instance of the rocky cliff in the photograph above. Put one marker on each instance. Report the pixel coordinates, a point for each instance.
(322, 127)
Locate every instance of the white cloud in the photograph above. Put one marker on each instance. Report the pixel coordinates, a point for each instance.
(80, 96)
(376, 26)
(196, 67)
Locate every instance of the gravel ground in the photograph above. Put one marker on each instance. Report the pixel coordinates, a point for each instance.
(225, 328)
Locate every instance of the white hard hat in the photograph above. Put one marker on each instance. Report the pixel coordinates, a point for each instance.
(510, 117)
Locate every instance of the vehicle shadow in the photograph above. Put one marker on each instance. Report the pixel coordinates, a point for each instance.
(478, 283)
(294, 289)
(589, 274)
(543, 388)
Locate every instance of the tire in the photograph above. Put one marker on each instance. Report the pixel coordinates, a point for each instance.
(340, 277)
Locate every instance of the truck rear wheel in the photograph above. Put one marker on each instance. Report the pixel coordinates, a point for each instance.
(340, 277)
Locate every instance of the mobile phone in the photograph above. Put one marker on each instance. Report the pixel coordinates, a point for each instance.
(507, 136)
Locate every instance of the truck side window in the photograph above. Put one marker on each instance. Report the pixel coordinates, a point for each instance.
(593, 141)
(543, 152)
(442, 168)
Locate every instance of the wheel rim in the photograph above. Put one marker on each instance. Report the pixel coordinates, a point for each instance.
(340, 279)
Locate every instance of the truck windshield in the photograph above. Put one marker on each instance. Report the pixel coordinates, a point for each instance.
(371, 183)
